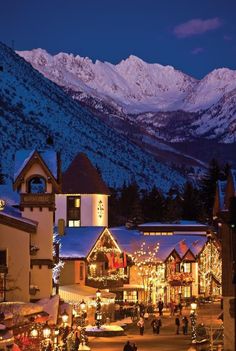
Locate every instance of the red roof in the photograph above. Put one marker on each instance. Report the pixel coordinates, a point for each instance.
(81, 177)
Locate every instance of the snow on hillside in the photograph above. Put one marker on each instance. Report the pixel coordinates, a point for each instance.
(33, 109)
(168, 103)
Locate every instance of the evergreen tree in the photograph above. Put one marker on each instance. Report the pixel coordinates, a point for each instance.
(130, 205)
(173, 206)
(153, 205)
(208, 187)
(191, 204)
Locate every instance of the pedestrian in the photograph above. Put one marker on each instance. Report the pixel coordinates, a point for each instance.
(185, 325)
(128, 347)
(140, 324)
(159, 324)
(134, 347)
(172, 307)
(160, 306)
(154, 325)
(177, 323)
(180, 308)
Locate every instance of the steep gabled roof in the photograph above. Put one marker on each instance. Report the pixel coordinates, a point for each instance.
(81, 177)
(24, 159)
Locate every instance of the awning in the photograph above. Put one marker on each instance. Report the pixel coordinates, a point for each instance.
(129, 287)
(75, 293)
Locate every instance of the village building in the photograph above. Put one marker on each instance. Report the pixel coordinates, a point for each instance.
(224, 213)
(26, 230)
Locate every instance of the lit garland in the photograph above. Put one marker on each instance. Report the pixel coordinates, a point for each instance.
(186, 277)
(116, 276)
(58, 265)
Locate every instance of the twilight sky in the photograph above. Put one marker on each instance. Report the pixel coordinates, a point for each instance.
(195, 36)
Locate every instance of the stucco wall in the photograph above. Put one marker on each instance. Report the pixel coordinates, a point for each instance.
(16, 242)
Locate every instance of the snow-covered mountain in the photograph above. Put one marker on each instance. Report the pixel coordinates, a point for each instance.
(36, 113)
(155, 96)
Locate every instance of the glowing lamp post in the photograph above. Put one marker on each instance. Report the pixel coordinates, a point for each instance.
(98, 314)
(83, 345)
(193, 318)
(65, 318)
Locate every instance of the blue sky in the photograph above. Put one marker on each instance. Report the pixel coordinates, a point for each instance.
(195, 36)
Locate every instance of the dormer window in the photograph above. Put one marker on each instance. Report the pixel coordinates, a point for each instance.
(37, 185)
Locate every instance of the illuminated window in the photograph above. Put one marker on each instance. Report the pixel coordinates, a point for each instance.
(73, 211)
(187, 291)
(187, 267)
(130, 296)
(73, 223)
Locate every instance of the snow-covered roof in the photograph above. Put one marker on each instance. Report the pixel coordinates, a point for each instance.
(10, 196)
(15, 213)
(130, 240)
(182, 227)
(77, 242)
(23, 156)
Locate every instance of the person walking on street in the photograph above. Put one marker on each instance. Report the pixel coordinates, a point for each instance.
(177, 323)
(140, 324)
(185, 325)
(134, 347)
(160, 306)
(180, 308)
(159, 324)
(128, 347)
(154, 325)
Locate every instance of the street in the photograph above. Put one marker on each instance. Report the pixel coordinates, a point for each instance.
(167, 340)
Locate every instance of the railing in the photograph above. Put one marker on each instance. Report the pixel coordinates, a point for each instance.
(38, 200)
(104, 283)
(181, 278)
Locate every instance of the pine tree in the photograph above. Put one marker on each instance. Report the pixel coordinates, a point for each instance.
(191, 204)
(153, 205)
(208, 188)
(173, 206)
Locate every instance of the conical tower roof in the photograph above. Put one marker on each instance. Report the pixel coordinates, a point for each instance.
(81, 177)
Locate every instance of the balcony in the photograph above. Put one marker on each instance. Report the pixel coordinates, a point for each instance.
(104, 282)
(37, 200)
(180, 278)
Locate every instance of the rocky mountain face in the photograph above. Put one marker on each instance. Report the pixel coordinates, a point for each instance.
(165, 103)
(36, 113)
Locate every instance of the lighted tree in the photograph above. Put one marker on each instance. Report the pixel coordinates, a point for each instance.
(210, 269)
(148, 266)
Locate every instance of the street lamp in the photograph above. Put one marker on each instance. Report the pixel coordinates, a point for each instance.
(83, 339)
(193, 318)
(98, 314)
(65, 318)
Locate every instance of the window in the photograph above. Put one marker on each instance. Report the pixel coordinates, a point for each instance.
(130, 296)
(73, 211)
(3, 258)
(186, 267)
(37, 185)
(187, 291)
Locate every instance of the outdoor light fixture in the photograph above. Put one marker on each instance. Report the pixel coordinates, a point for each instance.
(98, 313)
(46, 331)
(193, 318)
(65, 317)
(98, 294)
(34, 332)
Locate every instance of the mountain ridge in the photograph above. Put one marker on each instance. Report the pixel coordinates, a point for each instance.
(134, 90)
(32, 109)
